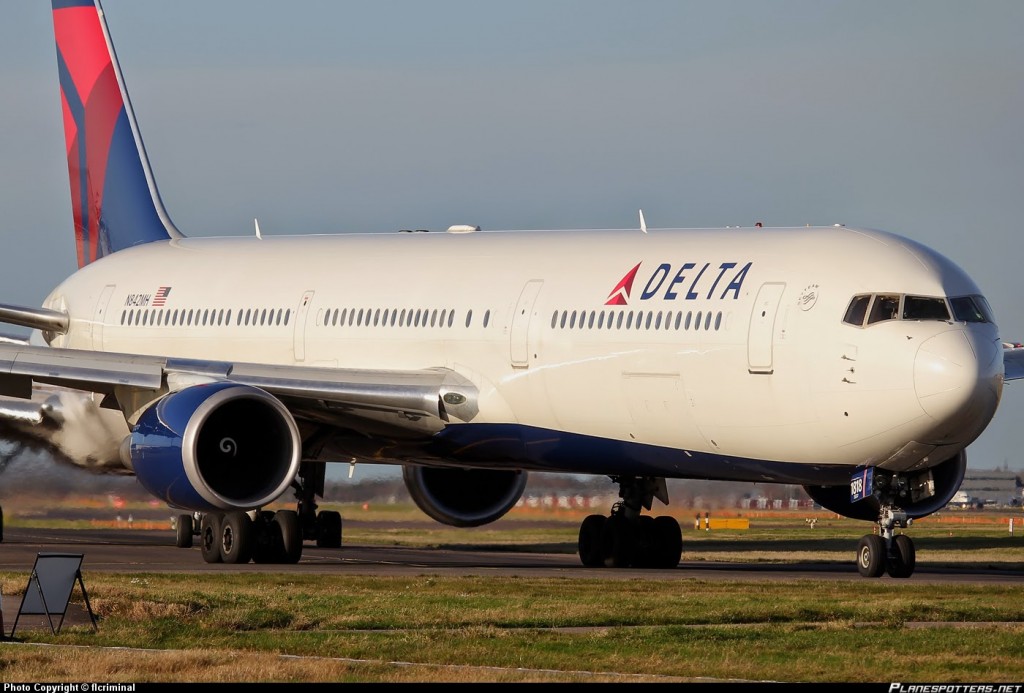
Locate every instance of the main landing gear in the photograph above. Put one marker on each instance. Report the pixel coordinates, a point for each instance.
(884, 552)
(628, 539)
(262, 536)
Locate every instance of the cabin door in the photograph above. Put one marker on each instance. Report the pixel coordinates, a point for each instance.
(99, 318)
(519, 339)
(761, 334)
(300, 325)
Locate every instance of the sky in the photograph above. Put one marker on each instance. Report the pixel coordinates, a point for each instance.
(329, 116)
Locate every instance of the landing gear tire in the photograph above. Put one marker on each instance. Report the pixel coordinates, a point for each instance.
(871, 556)
(209, 537)
(590, 541)
(236, 538)
(668, 540)
(267, 546)
(183, 540)
(328, 529)
(287, 522)
(645, 547)
(902, 557)
(617, 542)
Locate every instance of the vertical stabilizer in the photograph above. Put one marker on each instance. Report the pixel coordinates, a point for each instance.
(113, 195)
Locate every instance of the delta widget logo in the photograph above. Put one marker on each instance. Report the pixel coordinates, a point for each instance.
(690, 281)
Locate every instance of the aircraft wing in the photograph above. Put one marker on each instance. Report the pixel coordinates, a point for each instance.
(1013, 360)
(418, 401)
(6, 338)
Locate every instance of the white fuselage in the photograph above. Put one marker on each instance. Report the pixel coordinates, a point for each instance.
(728, 344)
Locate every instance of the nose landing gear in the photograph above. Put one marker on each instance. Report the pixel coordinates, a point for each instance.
(886, 552)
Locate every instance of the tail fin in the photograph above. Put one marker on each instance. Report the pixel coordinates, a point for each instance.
(113, 194)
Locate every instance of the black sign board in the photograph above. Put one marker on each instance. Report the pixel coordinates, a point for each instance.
(49, 588)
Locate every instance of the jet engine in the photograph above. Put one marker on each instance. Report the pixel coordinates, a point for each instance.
(918, 493)
(215, 447)
(464, 497)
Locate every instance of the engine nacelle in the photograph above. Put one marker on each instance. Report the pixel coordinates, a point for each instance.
(464, 497)
(218, 446)
(927, 491)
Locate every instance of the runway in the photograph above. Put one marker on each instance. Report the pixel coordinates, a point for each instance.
(139, 551)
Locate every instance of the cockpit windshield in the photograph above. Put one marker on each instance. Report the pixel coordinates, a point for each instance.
(971, 309)
(868, 309)
(923, 308)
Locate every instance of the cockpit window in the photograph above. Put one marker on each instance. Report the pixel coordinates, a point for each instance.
(857, 310)
(868, 309)
(970, 309)
(922, 308)
(884, 307)
(985, 308)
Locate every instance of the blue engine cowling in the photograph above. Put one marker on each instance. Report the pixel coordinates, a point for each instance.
(464, 497)
(942, 482)
(217, 446)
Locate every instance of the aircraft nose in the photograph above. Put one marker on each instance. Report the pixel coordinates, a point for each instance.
(956, 376)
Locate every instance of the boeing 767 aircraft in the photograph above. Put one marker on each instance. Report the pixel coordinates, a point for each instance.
(227, 372)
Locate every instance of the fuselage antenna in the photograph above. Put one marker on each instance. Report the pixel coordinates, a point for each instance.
(258, 234)
(643, 223)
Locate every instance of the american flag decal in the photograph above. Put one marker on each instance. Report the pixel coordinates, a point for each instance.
(161, 296)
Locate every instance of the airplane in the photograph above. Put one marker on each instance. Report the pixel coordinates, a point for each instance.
(854, 362)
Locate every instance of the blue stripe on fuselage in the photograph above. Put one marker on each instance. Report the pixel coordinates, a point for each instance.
(539, 449)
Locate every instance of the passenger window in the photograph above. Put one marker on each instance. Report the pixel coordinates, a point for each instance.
(857, 310)
(921, 308)
(884, 308)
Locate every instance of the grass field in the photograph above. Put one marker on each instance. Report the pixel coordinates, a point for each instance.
(430, 628)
